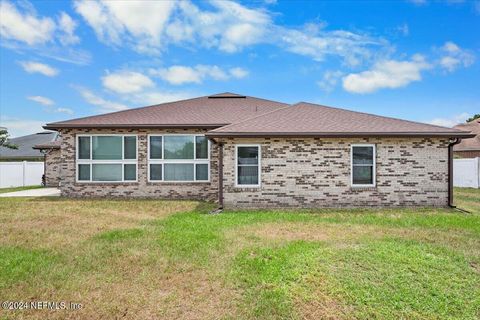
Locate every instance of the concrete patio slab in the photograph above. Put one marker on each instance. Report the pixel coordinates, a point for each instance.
(43, 192)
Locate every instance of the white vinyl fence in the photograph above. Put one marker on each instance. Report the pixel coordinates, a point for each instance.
(466, 172)
(20, 174)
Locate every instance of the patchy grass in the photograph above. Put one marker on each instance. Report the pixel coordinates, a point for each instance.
(144, 259)
(6, 190)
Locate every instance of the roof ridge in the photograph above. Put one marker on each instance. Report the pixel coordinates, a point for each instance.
(151, 106)
(249, 119)
(376, 115)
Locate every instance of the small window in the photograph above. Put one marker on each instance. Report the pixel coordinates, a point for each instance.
(155, 147)
(201, 147)
(130, 146)
(201, 172)
(84, 172)
(129, 172)
(156, 172)
(248, 165)
(363, 165)
(83, 147)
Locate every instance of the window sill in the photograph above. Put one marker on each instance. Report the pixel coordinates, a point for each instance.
(363, 188)
(176, 182)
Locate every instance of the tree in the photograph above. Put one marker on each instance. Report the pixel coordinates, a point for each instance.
(4, 140)
(476, 116)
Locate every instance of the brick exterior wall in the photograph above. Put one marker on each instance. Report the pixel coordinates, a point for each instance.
(314, 172)
(53, 168)
(141, 188)
(306, 172)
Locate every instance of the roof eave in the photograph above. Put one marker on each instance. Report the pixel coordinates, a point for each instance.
(338, 134)
(54, 126)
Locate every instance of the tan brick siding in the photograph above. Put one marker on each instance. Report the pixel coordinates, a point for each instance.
(307, 172)
(53, 168)
(142, 188)
(314, 172)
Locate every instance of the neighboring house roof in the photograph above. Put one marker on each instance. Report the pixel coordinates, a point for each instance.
(230, 114)
(469, 144)
(208, 112)
(25, 145)
(307, 119)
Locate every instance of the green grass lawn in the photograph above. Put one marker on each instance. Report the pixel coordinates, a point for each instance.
(5, 190)
(145, 259)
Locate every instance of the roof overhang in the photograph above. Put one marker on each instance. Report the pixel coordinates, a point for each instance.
(55, 126)
(338, 134)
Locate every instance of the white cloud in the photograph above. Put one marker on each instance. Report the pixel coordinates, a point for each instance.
(450, 122)
(126, 82)
(403, 29)
(68, 26)
(63, 110)
(239, 73)
(20, 127)
(317, 43)
(103, 104)
(454, 57)
(150, 26)
(24, 27)
(139, 22)
(386, 74)
(330, 80)
(178, 75)
(37, 67)
(49, 103)
(42, 100)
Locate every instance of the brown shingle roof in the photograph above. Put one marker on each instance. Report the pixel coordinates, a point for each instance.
(306, 119)
(49, 145)
(209, 112)
(471, 144)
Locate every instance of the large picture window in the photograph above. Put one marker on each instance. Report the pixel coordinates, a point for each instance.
(248, 165)
(106, 158)
(182, 158)
(363, 165)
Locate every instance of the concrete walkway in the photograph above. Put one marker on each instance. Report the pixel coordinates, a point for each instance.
(42, 192)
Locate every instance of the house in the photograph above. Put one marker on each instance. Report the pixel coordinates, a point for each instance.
(25, 144)
(468, 148)
(243, 151)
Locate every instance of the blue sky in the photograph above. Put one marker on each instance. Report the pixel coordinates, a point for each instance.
(415, 60)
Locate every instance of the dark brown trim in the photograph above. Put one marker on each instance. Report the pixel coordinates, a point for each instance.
(450, 171)
(338, 135)
(220, 175)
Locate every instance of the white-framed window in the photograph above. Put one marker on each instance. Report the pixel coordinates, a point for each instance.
(178, 158)
(248, 165)
(363, 165)
(107, 158)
